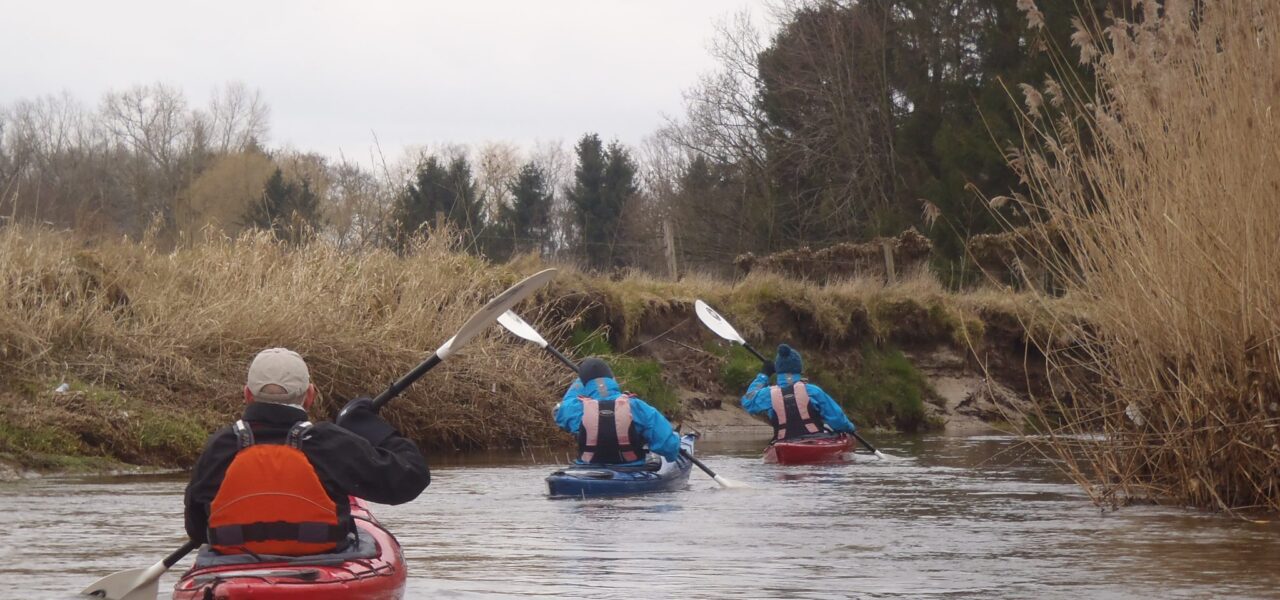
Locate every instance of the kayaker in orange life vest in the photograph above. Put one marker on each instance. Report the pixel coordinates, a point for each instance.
(274, 483)
(612, 427)
(794, 406)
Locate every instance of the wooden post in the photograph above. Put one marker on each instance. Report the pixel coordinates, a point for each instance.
(439, 220)
(890, 276)
(668, 234)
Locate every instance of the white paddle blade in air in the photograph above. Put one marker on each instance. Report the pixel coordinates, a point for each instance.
(134, 584)
(518, 326)
(491, 311)
(716, 323)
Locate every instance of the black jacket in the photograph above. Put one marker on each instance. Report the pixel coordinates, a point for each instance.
(392, 472)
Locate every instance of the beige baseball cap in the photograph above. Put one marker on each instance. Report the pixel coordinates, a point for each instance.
(282, 367)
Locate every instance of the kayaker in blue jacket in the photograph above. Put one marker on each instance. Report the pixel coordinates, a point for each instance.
(612, 427)
(793, 406)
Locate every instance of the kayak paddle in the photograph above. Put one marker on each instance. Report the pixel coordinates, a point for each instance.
(137, 584)
(522, 329)
(143, 584)
(477, 323)
(722, 328)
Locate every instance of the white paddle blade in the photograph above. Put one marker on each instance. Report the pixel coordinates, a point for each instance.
(134, 584)
(729, 484)
(518, 326)
(716, 323)
(491, 311)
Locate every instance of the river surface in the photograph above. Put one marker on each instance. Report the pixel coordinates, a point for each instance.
(953, 517)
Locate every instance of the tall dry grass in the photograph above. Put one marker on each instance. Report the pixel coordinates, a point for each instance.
(1166, 188)
(157, 343)
(177, 330)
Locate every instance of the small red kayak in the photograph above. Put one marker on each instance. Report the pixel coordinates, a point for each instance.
(371, 569)
(809, 450)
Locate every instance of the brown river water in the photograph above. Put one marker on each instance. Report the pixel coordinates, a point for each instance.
(953, 517)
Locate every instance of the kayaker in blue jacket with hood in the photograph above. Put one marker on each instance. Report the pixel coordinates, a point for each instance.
(794, 407)
(612, 427)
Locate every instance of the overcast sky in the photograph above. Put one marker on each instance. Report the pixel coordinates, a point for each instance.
(413, 72)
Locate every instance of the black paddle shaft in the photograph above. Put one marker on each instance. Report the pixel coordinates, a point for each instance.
(405, 381)
(564, 359)
(865, 442)
(757, 354)
(178, 554)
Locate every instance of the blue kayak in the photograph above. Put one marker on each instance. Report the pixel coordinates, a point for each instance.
(584, 481)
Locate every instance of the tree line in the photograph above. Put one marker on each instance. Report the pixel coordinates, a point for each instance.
(854, 119)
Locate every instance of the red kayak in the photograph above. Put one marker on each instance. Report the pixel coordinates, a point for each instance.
(809, 451)
(371, 569)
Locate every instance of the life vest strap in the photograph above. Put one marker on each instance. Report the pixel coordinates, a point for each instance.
(294, 439)
(244, 434)
(617, 414)
(797, 397)
(306, 532)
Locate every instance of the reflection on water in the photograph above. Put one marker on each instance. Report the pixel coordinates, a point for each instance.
(977, 517)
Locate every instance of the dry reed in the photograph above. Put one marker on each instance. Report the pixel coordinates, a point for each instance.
(1166, 188)
(178, 329)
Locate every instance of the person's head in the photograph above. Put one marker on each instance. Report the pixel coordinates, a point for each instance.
(593, 368)
(279, 376)
(788, 361)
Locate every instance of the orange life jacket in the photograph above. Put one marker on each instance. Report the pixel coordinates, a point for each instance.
(272, 502)
(792, 416)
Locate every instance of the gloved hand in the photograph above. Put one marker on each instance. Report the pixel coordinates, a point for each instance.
(359, 417)
(767, 368)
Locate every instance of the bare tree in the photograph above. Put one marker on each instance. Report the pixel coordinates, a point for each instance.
(152, 121)
(556, 163)
(497, 164)
(238, 117)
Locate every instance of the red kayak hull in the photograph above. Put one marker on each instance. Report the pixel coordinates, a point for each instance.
(379, 578)
(810, 451)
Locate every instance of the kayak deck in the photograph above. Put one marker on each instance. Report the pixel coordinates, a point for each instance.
(604, 480)
(370, 573)
(810, 450)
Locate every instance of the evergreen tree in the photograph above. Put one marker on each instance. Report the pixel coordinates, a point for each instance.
(586, 198)
(529, 216)
(290, 211)
(438, 189)
(604, 181)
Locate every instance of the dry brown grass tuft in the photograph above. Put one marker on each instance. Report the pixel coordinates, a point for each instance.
(1167, 191)
(179, 329)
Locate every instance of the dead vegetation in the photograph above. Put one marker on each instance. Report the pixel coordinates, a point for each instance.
(1164, 188)
(154, 344)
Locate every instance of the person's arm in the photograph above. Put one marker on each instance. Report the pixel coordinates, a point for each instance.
(569, 411)
(206, 478)
(573, 392)
(656, 429)
(831, 412)
(756, 400)
(391, 472)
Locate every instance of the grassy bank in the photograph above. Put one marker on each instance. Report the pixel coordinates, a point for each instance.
(154, 345)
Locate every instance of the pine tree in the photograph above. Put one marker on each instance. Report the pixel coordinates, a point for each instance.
(449, 191)
(604, 181)
(290, 211)
(529, 216)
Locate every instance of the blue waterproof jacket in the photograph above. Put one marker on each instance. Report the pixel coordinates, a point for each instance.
(758, 401)
(652, 426)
